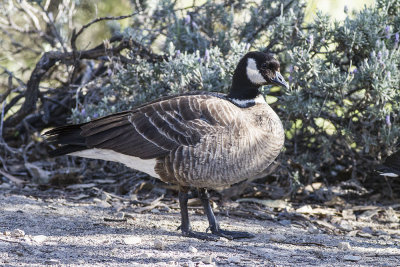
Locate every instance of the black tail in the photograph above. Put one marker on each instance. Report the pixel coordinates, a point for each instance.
(69, 137)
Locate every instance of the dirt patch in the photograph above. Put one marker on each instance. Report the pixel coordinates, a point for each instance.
(57, 229)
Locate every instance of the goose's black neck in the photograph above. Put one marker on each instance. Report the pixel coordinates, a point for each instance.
(243, 91)
(242, 88)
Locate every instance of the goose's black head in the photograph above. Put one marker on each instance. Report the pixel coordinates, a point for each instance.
(254, 70)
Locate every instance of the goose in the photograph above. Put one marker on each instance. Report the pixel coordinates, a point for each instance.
(197, 140)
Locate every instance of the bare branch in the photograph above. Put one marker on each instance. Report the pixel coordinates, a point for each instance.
(8, 91)
(20, 82)
(49, 59)
(50, 21)
(76, 35)
(28, 10)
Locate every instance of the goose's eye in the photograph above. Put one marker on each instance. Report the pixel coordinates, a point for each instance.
(264, 66)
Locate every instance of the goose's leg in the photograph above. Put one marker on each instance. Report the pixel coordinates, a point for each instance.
(214, 226)
(185, 224)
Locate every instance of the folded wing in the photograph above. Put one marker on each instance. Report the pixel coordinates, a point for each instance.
(149, 131)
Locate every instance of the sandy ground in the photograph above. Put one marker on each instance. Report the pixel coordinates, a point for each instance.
(59, 231)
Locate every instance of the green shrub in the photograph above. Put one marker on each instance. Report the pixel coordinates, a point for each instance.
(341, 112)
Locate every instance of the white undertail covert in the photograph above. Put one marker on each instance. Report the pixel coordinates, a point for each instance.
(143, 165)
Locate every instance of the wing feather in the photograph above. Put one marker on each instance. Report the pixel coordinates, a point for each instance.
(151, 130)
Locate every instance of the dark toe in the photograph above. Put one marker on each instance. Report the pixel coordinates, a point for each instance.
(201, 236)
(233, 234)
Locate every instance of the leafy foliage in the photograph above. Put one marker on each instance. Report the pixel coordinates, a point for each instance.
(341, 113)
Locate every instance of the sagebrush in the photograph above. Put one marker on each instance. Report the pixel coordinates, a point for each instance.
(341, 113)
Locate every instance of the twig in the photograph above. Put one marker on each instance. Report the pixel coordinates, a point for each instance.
(55, 101)
(21, 83)
(152, 205)
(13, 102)
(111, 194)
(383, 255)
(114, 220)
(12, 178)
(27, 8)
(8, 91)
(304, 244)
(2, 119)
(76, 35)
(10, 241)
(50, 22)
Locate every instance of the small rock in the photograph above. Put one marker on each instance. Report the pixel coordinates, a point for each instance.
(234, 259)
(277, 237)
(319, 254)
(120, 215)
(158, 244)
(132, 240)
(351, 258)
(352, 233)
(344, 246)
(144, 255)
(223, 240)
(367, 230)
(103, 204)
(365, 235)
(390, 216)
(38, 174)
(313, 230)
(348, 214)
(165, 209)
(192, 249)
(207, 259)
(18, 233)
(7, 233)
(156, 211)
(305, 209)
(39, 238)
(5, 186)
(345, 225)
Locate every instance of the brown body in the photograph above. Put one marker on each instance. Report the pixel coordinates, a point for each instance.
(199, 140)
(236, 144)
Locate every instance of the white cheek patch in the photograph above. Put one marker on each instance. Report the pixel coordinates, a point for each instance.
(253, 73)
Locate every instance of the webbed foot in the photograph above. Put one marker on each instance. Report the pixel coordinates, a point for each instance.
(231, 235)
(201, 236)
